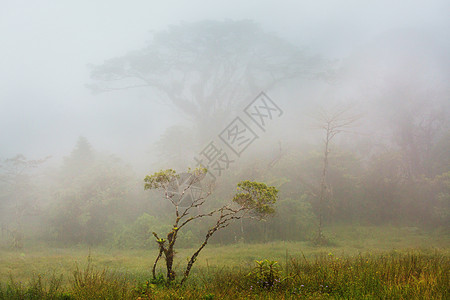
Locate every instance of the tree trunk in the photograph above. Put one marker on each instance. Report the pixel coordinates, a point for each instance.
(161, 251)
(194, 256)
(323, 187)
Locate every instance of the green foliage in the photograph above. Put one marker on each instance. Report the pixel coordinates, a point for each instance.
(256, 197)
(187, 238)
(267, 274)
(89, 195)
(160, 179)
(138, 235)
(36, 289)
(439, 158)
(163, 178)
(19, 194)
(441, 209)
(294, 220)
(394, 275)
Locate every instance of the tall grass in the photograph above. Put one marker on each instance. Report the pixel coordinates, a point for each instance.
(394, 275)
(90, 283)
(391, 276)
(35, 289)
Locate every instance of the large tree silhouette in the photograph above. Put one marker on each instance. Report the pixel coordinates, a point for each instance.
(206, 69)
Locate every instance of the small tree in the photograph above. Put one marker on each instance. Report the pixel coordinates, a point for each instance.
(252, 200)
(333, 122)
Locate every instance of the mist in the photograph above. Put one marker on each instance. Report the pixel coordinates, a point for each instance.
(344, 109)
(47, 47)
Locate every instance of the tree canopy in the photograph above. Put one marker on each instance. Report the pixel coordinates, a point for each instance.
(205, 69)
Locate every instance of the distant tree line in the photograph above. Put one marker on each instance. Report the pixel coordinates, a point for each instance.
(95, 198)
(396, 172)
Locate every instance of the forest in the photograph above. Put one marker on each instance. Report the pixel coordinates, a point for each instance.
(268, 171)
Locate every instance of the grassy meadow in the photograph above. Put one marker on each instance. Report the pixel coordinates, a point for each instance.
(362, 263)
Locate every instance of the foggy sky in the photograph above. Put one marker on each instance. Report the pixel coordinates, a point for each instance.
(45, 47)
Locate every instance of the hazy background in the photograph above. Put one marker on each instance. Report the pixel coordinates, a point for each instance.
(45, 47)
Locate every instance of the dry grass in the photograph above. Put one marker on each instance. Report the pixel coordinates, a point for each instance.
(365, 262)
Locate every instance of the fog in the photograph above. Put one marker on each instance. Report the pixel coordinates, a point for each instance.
(67, 70)
(47, 45)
